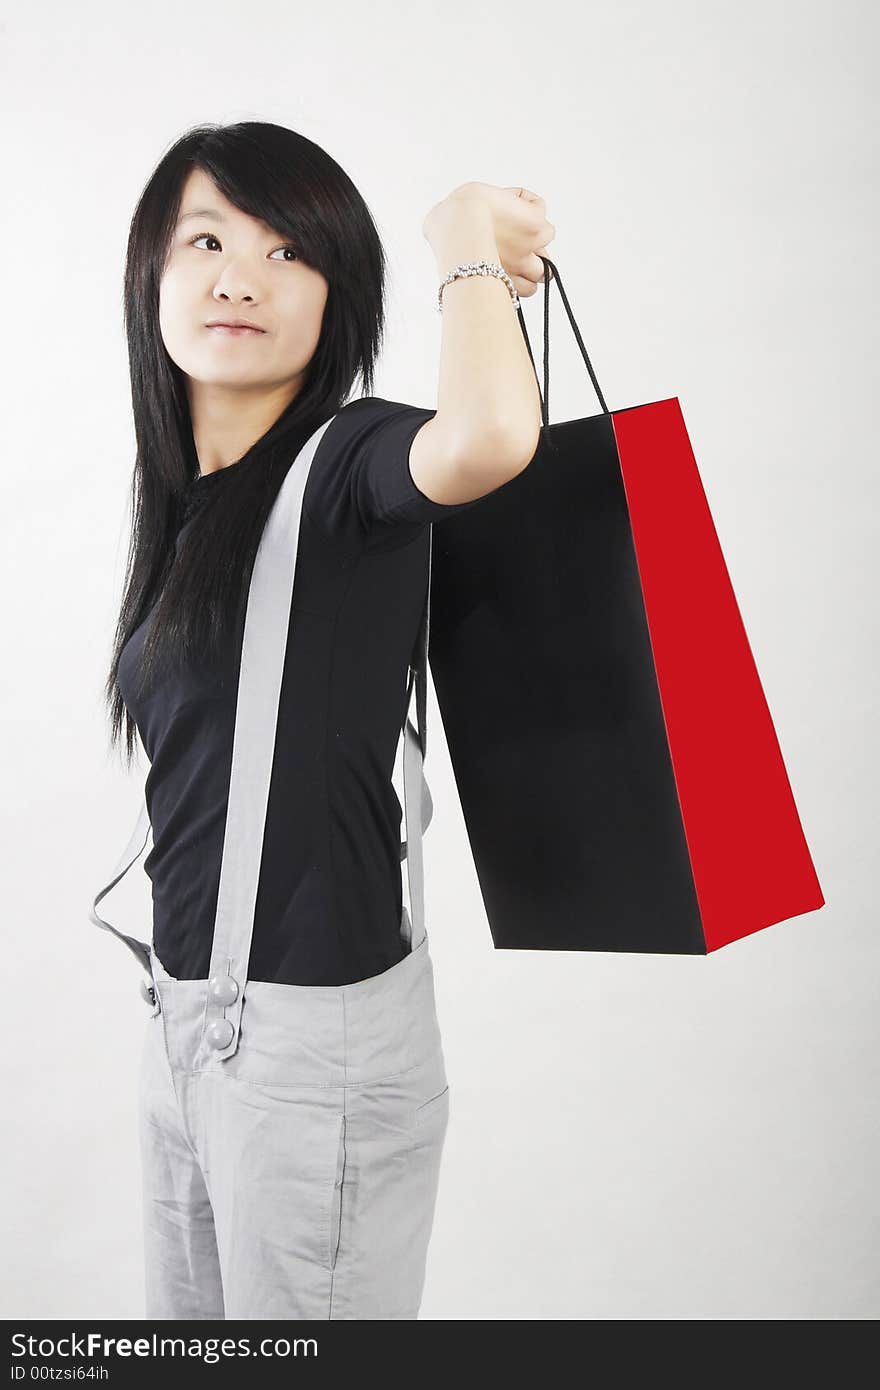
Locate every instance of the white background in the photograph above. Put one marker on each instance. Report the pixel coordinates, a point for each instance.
(631, 1137)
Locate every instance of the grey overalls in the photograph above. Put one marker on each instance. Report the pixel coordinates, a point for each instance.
(291, 1135)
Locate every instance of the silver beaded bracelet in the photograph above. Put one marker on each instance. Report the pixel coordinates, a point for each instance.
(460, 272)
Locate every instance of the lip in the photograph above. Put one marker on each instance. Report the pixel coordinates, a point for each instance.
(235, 326)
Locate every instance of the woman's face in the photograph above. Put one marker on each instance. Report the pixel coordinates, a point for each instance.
(224, 264)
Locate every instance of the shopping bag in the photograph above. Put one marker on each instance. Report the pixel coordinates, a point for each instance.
(619, 772)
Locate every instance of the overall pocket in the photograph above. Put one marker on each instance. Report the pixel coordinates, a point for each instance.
(438, 1104)
(336, 1201)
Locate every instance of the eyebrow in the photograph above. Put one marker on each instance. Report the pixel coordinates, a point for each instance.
(202, 212)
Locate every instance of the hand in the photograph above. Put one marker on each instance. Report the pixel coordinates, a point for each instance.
(519, 223)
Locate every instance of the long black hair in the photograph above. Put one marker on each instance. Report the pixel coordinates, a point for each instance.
(295, 187)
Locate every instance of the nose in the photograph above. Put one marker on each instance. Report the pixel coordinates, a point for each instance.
(235, 284)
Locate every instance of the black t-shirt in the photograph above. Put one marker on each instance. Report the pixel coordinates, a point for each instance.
(329, 900)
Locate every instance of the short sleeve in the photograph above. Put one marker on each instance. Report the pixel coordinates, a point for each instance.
(360, 485)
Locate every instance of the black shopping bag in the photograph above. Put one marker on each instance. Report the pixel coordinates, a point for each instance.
(619, 772)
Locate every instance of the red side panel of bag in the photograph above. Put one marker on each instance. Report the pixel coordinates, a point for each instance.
(749, 857)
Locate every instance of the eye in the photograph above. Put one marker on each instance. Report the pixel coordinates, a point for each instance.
(209, 236)
(202, 236)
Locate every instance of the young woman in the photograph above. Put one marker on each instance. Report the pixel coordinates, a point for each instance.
(293, 1094)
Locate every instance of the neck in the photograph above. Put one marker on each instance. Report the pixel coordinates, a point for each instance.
(226, 423)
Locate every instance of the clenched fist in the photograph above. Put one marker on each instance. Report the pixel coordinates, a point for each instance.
(519, 224)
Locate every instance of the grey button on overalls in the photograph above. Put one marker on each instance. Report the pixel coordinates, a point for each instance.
(291, 1135)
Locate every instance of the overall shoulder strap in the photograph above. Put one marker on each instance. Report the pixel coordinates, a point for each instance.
(132, 852)
(419, 807)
